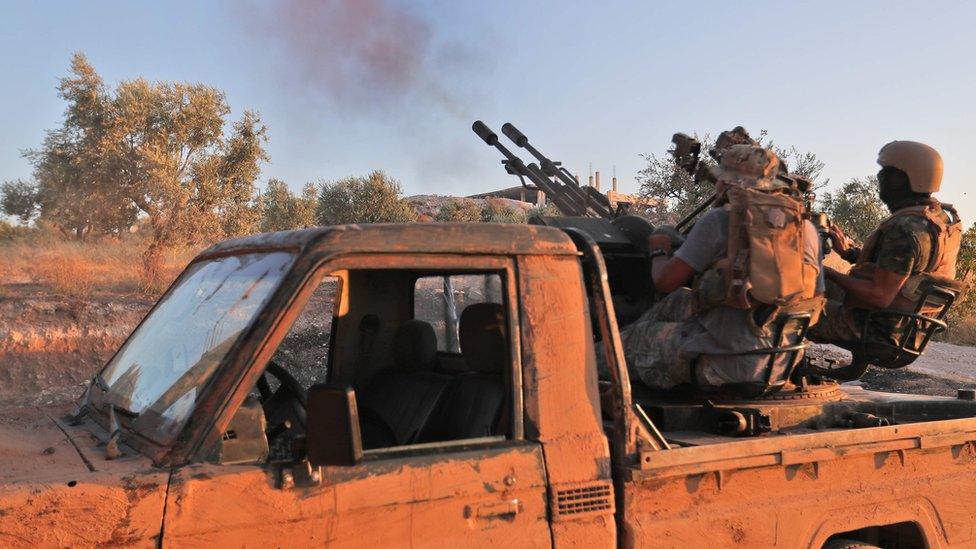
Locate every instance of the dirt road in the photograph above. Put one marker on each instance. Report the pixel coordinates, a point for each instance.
(942, 370)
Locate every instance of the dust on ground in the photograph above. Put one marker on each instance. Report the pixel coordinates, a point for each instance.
(51, 345)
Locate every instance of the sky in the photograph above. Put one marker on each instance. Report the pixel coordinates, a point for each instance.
(346, 87)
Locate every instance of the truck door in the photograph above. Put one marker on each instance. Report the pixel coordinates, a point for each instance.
(427, 351)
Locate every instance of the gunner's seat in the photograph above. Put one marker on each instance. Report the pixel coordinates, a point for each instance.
(892, 338)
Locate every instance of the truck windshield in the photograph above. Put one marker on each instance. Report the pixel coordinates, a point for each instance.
(158, 373)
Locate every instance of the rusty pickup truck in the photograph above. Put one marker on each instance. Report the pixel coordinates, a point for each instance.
(437, 385)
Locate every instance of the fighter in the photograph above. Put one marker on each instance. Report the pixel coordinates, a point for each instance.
(757, 258)
(917, 244)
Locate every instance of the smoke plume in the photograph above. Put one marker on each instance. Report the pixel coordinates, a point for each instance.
(385, 62)
(364, 55)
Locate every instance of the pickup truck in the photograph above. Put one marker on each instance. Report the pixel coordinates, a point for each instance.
(437, 385)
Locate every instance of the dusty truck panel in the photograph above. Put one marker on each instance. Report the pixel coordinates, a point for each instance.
(562, 402)
(799, 492)
(482, 498)
(57, 489)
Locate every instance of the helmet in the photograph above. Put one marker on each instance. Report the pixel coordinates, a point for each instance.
(749, 166)
(921, 163)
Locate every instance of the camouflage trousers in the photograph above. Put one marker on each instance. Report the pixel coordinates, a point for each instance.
(837, 324)
(652, 344)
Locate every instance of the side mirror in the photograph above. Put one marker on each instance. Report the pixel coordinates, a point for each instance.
(332, 434)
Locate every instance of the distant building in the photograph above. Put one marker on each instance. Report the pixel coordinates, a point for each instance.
(530, 194)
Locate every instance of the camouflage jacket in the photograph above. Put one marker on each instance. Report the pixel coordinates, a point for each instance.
(904, 245)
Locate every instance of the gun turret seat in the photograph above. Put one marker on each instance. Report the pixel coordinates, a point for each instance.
(892, 338)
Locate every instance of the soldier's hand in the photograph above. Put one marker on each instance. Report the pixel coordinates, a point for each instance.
(840, 241)
(675, 238)
(659, 241)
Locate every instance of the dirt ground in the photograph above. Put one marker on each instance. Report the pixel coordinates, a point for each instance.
(941, 371)
(50, 347)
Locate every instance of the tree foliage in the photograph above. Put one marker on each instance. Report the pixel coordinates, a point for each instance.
(856, 207)
(19, 199)
(462, 210)
(282, 210)
(375, 198)
(156, 149)
(966, 270)
(497, 210)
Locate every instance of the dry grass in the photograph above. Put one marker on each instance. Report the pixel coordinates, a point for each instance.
(80, 269)
(962, 331)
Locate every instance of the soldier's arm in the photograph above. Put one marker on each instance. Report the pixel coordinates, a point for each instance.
(670, 273)
(879, 292)
(898, 250)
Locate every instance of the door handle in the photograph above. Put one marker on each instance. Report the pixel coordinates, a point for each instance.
(499, 509)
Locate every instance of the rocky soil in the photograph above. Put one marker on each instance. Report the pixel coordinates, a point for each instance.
(50, 346)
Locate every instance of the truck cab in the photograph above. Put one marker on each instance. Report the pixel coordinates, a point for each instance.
(437, 384)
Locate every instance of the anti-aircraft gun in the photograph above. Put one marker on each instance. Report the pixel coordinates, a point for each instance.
(621, 236)
(586, 215)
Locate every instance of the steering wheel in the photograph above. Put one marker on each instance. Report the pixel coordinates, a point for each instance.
(288, 384)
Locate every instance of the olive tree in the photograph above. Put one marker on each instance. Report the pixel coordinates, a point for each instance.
(19, 199)
(159, 150)
(282, 210)
(855, 206)
(375, 198)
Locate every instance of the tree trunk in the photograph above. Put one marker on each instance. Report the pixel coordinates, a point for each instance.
(451, 317)
(152, 267)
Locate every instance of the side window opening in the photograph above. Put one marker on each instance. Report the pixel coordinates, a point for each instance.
(439, 300)
(427, 354)
(449, 377)
(300, 361)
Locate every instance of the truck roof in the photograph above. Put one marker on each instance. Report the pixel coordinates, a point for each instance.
(453, 238)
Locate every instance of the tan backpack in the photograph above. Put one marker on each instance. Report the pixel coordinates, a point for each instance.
(764, 264)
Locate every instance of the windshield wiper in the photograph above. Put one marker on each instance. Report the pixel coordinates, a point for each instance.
(97, 381)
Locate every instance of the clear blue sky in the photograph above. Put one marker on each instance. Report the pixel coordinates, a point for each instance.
(593, 84)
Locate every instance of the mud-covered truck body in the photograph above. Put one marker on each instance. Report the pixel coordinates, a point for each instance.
(437, 384)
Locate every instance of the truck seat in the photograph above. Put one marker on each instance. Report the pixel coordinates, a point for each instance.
(399, 401)
(474, 402)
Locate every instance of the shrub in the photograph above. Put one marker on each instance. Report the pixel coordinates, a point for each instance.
(498, 211)
(461, 210)
(375, 198)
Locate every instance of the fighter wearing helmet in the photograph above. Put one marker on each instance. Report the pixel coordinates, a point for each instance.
(920, 239)
(698, 335)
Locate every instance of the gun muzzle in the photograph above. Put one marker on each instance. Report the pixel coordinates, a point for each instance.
(516, 136)
(486, 135)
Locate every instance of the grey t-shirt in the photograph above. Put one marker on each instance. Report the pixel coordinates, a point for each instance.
(714, 333)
